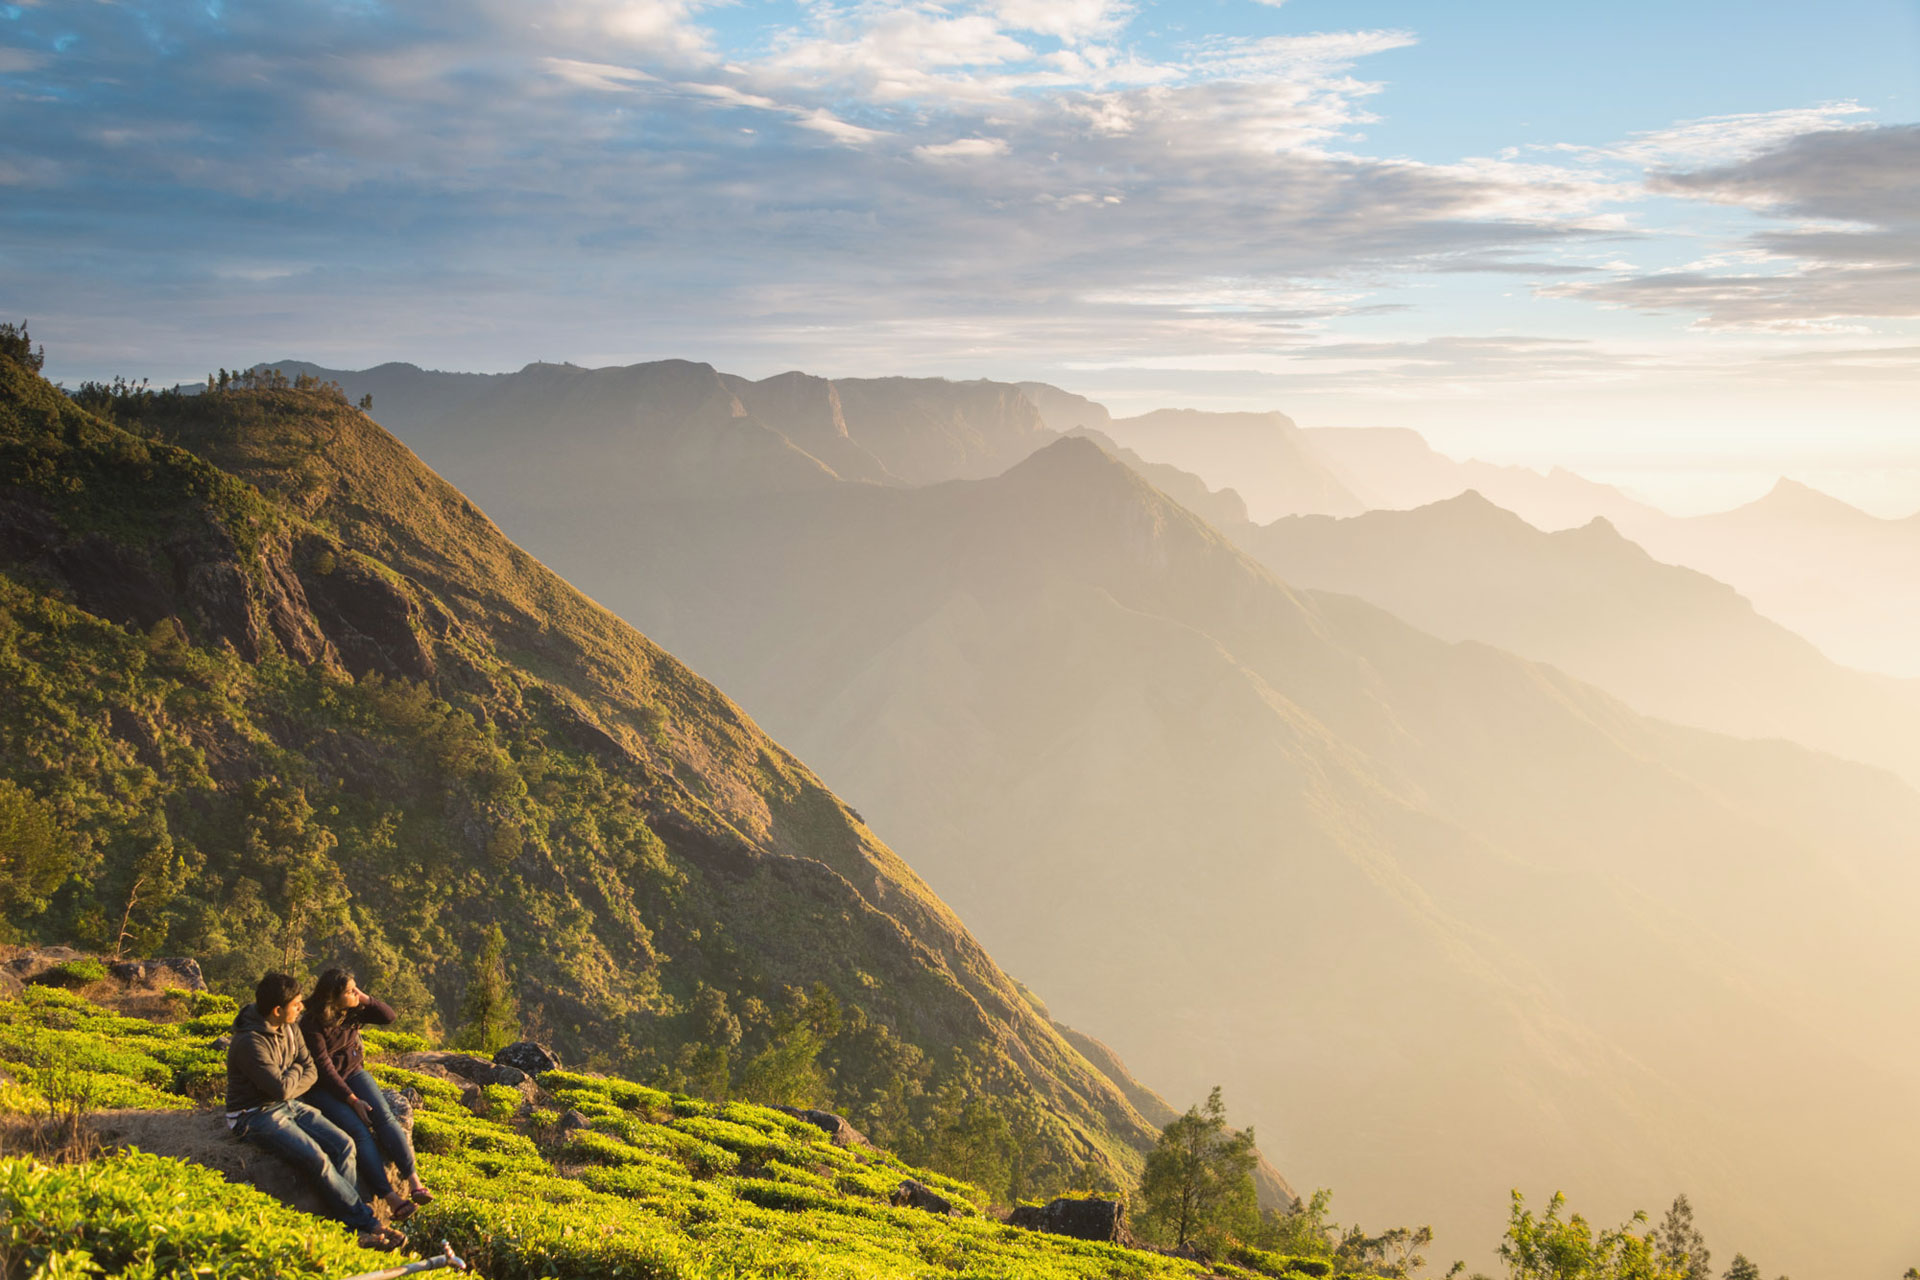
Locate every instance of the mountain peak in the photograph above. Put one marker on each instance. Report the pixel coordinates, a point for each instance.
(1790, 497)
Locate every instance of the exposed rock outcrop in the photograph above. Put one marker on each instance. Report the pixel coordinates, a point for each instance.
(162, 971)
(529, 1056)
(918, 1195)
(836, 1127)
(1083, 1219)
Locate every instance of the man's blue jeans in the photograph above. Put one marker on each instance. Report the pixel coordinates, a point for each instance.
(377, 1140)
(305, 1139)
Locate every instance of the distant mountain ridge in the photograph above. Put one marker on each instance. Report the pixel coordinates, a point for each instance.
(1672, 642)
(1446, 920)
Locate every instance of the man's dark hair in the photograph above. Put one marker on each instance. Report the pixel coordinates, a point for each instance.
(274, 991)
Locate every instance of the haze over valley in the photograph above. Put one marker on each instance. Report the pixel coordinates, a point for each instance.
(1229, 812)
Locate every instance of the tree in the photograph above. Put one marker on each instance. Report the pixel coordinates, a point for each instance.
(1554, 1248)
(1742, 1269)
(1678, 1243)
(488, 1015)
(34, 853)
(1198, 1184)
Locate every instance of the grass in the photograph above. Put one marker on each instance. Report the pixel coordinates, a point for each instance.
(662, 1185)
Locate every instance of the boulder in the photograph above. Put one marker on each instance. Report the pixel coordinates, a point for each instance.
(836, 1127)
(574, 1120)
(162, 971)
(202, 1137)
(918, 1195)
(529, 1056)
(1081, 1219)
(465, 1066)
(465, 1069)
(29, 965)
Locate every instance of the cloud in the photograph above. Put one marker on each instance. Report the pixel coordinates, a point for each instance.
(963, 149)
(1849, 249)
(596, 75)
(918, 182)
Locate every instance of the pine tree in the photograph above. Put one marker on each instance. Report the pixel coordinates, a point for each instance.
(488, 1015)
(1742, 1269)
(1679, 1245)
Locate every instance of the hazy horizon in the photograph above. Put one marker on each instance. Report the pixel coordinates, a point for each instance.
(1671, 247)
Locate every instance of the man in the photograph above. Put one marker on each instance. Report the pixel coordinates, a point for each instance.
(268, 1068)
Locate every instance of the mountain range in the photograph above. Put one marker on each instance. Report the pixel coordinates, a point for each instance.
(1670, 641)
(1443, 920)
(1831, 573)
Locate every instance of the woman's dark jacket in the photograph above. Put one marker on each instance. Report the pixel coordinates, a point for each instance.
(336, 1047)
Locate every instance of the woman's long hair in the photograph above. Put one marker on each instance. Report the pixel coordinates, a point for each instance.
(324, 1002)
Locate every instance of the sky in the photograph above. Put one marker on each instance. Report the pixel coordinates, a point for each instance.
(1672, 246)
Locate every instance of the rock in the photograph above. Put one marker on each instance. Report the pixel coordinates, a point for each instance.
(163, 971)
(836, 1127)
(1081, 1219)
(529, 1056)
(918, 1195)
(474, 1099)
(30, 965)
(223, 1042)
(202, 1138)
(463, 1065)
(574, 1120)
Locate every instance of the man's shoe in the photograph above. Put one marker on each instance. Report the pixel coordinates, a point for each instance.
(382, 1239)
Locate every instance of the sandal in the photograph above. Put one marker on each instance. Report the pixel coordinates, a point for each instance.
(420, 1195)
(381, 1240)
(399, 1213)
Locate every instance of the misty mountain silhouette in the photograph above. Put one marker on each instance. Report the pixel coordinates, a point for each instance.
(1444, 921)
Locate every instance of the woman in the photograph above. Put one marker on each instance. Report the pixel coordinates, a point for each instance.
(347, 1095)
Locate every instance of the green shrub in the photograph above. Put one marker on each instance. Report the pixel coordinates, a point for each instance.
(500, 1102)
(378, 1040)
(73, 973)
(210, 1004)
(140, 1215)
(1269, 1263)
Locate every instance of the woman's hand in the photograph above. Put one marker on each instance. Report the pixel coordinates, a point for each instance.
(361, 1109)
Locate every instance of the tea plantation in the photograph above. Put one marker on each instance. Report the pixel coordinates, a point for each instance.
(659, 1185)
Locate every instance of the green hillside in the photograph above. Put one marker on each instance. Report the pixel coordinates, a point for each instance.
(659, 1185)
(1438, 919)
(276, 695)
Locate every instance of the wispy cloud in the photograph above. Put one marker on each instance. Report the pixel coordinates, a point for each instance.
(946, 181)
(1843, 245)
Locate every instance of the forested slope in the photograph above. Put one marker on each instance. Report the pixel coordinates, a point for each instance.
(276, 695)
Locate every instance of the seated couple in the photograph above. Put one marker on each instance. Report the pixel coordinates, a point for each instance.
(297, 1085)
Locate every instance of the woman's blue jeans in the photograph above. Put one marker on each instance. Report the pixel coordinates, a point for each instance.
(377, 1140)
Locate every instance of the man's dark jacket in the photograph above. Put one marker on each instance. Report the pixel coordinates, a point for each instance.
(266, 1064)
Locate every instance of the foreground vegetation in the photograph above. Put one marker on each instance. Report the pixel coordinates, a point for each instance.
(660, 1185)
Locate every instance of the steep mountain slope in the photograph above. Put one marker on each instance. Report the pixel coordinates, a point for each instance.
(1846, 580)
(288, 697)
(1441, 921)
(1671, 642)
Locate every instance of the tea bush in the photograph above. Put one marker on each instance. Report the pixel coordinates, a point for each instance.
(661, 1186)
